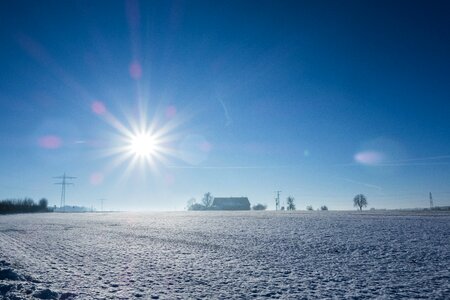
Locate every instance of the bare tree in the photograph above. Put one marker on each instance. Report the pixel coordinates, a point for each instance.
(360, 201)
(290, 203)
(207, 200)
(43, 203)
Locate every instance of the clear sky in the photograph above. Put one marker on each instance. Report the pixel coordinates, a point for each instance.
(151, 103)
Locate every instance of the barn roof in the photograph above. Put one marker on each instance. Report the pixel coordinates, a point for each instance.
(231, 203)
(231, 200)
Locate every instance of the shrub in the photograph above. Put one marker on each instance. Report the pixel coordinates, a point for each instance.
(259, 206)
(197, 206)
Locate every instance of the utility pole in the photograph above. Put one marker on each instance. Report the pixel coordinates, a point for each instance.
(431, 201)
(277, 200)
(63, 184)
(101, 202)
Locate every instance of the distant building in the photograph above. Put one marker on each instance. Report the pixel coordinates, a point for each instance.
(231, 203)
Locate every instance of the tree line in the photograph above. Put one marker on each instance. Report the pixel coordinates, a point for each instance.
(26, 205)
(359, 201)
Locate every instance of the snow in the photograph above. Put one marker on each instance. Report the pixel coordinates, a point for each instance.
(223, 255)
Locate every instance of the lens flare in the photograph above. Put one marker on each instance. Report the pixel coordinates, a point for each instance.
(98, 108)
(135, 70)
(96, 178)
(171, 111)
(50, 142)
(369, 157)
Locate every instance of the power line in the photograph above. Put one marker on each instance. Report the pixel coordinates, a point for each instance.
(101, 201)
(63, 184)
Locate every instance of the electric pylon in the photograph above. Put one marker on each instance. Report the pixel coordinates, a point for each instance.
(277, 200)
(63, 184)
(431, 201)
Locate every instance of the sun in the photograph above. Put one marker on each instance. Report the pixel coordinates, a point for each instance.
(142, 145)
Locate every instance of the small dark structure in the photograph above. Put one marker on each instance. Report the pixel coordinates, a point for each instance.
(231, 203)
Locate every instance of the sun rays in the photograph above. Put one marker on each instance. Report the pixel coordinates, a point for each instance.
(141, 142)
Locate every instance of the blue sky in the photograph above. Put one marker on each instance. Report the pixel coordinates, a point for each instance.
(319, 99)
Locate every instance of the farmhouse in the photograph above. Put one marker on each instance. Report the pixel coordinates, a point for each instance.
(231, 203)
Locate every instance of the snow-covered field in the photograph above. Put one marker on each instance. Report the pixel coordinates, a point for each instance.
(225, 255)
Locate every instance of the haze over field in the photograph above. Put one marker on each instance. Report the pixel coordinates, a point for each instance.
(150, 103)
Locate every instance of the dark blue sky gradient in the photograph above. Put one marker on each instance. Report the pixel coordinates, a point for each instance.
(284, 94)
